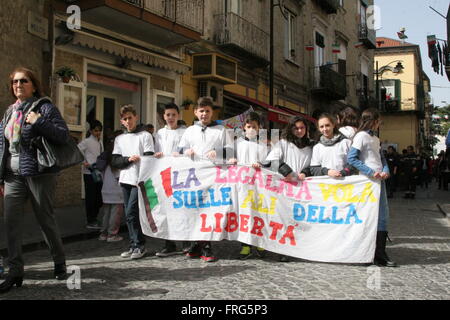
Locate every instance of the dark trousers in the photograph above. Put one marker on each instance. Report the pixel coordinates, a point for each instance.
(411, 182)
(93, 198)
(40, 190)
(131, 204)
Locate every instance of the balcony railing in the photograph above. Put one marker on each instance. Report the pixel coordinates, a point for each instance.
(392, 105)
(329, 83)
(367, 36)
(330, 6)
(245, 38)
(187, 13)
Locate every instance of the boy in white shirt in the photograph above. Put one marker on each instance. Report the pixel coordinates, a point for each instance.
(205, 140)
(167, 140)
(91, 148)
(129, 147)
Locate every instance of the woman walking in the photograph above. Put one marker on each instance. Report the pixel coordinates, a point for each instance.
(31, 116)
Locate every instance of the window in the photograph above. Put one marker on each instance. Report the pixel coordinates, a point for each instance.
(289, 36)
(362, 13)
(319, 50)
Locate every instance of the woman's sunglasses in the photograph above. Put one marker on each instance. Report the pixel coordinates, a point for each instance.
(22, 81)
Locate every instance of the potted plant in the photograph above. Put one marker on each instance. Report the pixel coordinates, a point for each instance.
(66, 73)
(187, 103)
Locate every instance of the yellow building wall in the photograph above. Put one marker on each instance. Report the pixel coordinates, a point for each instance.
(399, 129)
(408, 77)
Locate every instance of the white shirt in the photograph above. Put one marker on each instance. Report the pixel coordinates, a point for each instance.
(205, 139)
(297, 159)
(167, 140)
(331, 157)
(250, 152)
(130, 144)
(369, 147)
(91, 148)
(348, 131)
(111, 191)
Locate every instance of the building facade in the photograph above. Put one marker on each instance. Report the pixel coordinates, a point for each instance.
(403, 95)
(152, 52)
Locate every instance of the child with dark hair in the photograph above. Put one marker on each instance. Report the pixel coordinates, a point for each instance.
(167, 140)
(129, 148)
(329, 155)
(205, 140)
(250, 150)
(91, 148)
(291, 156)
(366, 156)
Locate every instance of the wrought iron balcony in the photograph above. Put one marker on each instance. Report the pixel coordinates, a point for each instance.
(329, 6)
(242, 39)
(161, 22)
(187, 13)
(329, 83)
(367, 36)
(392, 105)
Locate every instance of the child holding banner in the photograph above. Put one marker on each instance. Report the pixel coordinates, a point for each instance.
(329, 155)
(291, 156)
(366, 156)
(167, 140)
(129, 147)
(250, 151)
(205, 140)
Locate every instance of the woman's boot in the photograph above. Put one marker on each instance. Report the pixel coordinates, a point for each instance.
(381, 257)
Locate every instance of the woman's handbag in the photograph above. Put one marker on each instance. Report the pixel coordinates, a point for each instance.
(50, 154)
(59, 155)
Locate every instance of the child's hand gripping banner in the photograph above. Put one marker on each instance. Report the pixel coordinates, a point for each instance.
(320, 219)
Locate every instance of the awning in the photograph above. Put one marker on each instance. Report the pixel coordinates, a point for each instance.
(109, 46)
(275, 114)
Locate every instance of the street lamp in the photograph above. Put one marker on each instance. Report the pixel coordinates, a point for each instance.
(379, 72)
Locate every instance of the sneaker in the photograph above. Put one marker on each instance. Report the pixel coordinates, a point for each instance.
(167, 251)
(186, 246)
(115, 238)
(207, 254)
(93, 226)
(194, 250)
(260, 252)
(102, 237)
(246, 252)
(127, 254)
(138, 253)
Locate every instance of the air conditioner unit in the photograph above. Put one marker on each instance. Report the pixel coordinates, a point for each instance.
(211, 89)
(215, 67)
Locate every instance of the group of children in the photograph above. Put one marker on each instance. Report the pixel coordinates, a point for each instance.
(347, 145)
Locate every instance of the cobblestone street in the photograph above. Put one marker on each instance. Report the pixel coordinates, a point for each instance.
(421, 246)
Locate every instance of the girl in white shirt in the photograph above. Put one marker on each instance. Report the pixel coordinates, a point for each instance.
(366, 156)
(292, 154)
(329, 155)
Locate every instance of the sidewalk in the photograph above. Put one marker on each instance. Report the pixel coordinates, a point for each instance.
(71, 222)
(420, 245)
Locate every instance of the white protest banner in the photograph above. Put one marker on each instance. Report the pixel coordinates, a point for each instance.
(320, 219)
